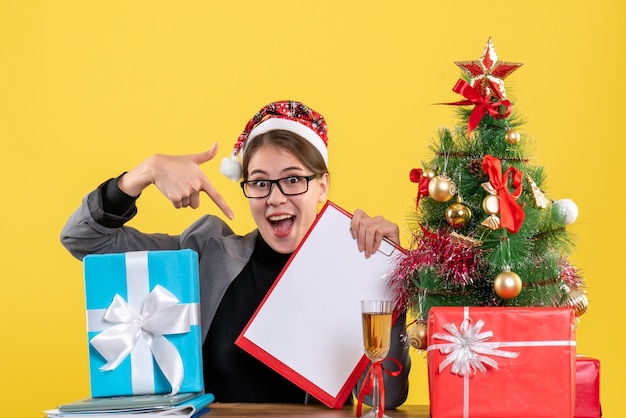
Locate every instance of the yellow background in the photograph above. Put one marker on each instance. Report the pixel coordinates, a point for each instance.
(88, 89)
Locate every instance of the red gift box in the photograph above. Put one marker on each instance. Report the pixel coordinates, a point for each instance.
(501, 362)
(587, 388)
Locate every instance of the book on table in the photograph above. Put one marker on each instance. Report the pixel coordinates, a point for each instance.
(179, 405)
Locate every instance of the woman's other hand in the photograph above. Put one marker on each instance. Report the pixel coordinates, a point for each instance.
(370, 231)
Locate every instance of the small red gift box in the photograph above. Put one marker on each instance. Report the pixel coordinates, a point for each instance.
(587, 388)
(501, 362)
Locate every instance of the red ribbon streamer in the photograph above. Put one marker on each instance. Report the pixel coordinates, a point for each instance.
(511, 213)
(483, 104)
(376, 372)
(416, 176)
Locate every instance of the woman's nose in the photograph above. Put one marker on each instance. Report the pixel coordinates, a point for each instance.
(276, 195)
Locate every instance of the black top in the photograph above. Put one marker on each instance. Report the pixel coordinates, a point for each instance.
(230, 373)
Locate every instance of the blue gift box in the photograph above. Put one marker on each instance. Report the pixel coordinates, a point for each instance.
(143, 322)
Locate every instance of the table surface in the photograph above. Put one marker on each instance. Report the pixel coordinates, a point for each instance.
(300, 410)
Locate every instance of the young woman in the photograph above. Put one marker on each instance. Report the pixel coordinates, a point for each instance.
(284, 159)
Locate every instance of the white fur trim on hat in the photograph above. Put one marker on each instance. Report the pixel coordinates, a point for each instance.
(292, 126)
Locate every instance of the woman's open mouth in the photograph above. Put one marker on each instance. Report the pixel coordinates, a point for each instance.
(281, 224)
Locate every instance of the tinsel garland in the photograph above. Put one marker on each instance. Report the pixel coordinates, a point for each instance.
(569, 274)
(457, 263)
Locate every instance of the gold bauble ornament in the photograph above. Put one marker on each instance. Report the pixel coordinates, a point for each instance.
(458, 215)
(507, 285)
(418, 336)
(429, 173)
(441, 188)
(577, 300)
(512, 136)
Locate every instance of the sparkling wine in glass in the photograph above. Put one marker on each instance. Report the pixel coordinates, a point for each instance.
(376, 319)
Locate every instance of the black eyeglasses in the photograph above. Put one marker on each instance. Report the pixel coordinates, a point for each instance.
(289, 186)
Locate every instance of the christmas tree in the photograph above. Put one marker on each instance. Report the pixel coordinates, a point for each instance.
(485, 232)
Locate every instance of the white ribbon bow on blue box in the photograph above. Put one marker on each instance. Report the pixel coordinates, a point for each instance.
(143, 323)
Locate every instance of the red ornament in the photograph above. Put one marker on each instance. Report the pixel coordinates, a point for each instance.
(417, 176)
(488, 73)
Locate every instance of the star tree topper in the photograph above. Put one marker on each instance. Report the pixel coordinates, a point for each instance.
(487, 73)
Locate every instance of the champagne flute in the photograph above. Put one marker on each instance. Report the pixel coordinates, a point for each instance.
(376, 318)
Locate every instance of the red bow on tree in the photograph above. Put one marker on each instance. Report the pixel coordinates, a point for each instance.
(416, 176)
(498, 110)
(511, 213)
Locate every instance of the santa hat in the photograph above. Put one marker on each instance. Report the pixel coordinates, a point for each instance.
(287, 115)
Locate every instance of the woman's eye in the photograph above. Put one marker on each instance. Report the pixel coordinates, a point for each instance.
(260, 184)
(292, 180)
